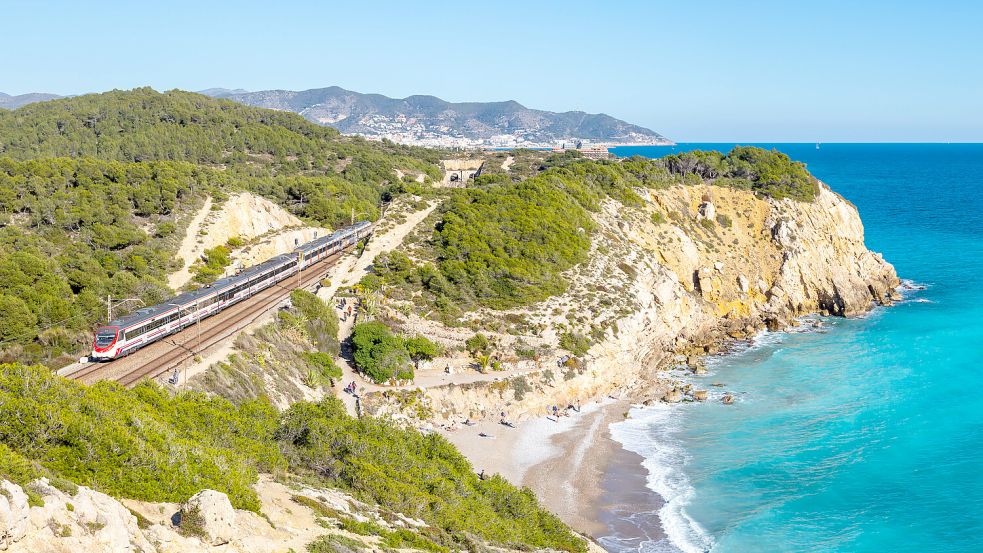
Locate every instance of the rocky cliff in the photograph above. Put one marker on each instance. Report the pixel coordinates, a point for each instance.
(694, 267)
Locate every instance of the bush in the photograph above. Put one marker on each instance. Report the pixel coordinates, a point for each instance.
(575, 342)
(322, 320)
(378, 353)
(212, 264)
(323, 363)
(724, 220)
(235, 242)
(477, 344)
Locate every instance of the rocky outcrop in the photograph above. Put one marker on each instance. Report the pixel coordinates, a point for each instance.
(210, 515)
(84, 520)
(14, 514)
(699, 274)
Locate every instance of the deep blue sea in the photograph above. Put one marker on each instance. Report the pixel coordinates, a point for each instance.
(866, 435)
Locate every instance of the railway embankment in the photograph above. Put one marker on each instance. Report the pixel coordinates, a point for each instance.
(253, 228)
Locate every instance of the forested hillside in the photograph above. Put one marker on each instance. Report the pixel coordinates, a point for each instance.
(93, 190)
(505, 243)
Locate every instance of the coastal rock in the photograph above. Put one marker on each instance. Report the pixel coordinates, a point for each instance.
(210, 512)
(673, 396)
(700, 395)
(727, 399)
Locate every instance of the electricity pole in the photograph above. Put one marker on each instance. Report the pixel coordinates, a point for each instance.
(109, 305)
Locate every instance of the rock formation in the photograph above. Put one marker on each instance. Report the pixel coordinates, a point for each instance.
(707, 273)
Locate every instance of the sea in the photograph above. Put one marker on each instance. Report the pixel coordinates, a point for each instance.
(861, 434)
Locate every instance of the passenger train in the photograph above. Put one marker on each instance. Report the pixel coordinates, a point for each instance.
(149, 324)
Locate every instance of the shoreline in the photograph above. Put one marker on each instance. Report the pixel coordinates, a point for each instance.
(568, 465)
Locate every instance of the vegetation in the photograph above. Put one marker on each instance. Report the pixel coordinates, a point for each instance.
(575, 342)
(383, 356)
(150, 445)
(212, 264)
(505, 244)
(320, 319)
(417, 475)
(93, 188)
(770, 173)
(73, 231)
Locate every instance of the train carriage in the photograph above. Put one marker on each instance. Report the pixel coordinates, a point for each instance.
(149, 324)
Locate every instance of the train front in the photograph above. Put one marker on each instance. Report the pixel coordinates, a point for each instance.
(106, 345)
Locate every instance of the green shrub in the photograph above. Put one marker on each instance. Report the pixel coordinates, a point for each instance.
(322, 320)
(477, 344)
(575, 342)
(235, 242)
(323, 363)
(335, 543)
(724, 220)
(378, 353)
(212, 264)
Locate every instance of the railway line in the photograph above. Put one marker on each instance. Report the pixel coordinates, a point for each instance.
(164, 356)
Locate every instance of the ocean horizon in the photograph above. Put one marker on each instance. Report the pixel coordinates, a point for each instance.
(861, 434)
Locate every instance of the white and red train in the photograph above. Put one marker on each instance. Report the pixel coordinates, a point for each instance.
(149, 324)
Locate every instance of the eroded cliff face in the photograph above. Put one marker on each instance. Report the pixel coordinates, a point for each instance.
(694, 266)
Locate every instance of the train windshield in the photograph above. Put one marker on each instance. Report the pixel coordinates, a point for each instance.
(105, 337)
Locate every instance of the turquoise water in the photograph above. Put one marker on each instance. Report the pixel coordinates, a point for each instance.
(864, 435)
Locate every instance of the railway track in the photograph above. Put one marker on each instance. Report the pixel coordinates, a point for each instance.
(172, 352)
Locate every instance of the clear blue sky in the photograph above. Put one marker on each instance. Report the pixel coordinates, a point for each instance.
(694, 71)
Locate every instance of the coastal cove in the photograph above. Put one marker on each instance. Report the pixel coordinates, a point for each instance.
(863, 434)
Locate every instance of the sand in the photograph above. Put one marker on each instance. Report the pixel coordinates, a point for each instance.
(573, 465)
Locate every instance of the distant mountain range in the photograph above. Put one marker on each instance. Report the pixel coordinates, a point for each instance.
(428, 120)
(13, 102)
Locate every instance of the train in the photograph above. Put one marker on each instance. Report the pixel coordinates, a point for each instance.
(147, 325)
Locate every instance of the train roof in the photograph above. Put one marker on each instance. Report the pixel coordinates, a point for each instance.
(185, 298)
(338, 234)
(191, 296)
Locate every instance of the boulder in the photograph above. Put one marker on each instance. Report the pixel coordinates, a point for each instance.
(210, 516)
(706, 211)
(700, 395)
(673, 396)
(14, 514)
(727, 399)
(743, 283)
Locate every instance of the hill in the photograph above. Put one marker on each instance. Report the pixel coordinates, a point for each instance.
(428, 120)
(95, 189)
(13, 102)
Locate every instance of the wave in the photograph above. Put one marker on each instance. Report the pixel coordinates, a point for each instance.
(650, 432)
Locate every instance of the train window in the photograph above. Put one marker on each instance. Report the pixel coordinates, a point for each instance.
(105, 337)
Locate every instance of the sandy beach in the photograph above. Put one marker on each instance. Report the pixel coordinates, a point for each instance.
(572, 464)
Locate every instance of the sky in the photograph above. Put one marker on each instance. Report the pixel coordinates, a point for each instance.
(796, 71)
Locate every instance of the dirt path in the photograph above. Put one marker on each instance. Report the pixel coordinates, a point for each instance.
(349, 271)
(188, 246)
(509, 160)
